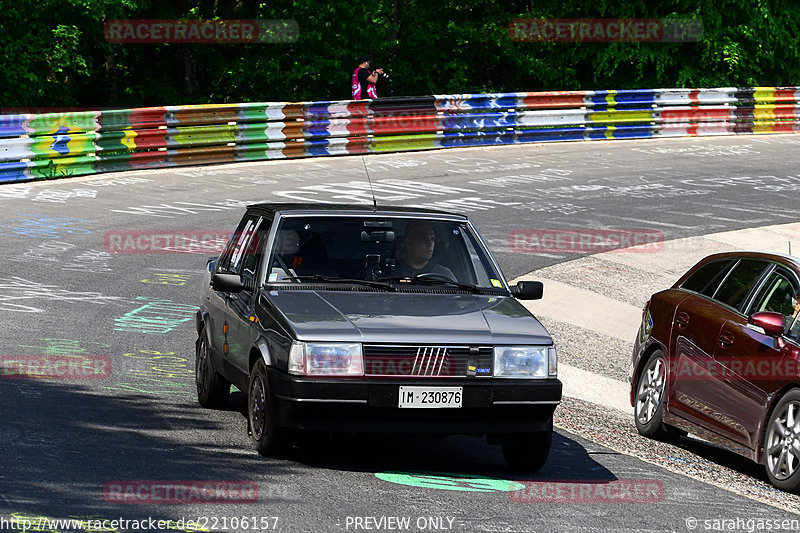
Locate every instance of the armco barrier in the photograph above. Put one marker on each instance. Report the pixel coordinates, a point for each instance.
(69, 144)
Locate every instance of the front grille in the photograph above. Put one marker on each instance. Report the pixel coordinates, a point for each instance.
(428, 361)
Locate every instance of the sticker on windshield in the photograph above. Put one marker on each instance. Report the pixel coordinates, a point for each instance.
(496, 283)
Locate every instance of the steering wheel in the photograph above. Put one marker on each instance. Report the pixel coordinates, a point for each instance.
(436, 275)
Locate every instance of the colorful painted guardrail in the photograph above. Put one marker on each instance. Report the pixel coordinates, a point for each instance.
(52, 145)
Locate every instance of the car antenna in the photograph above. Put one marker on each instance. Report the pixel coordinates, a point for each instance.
(374, 201)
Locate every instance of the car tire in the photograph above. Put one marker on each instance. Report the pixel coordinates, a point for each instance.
(527, 452)
(213, 390)
(651, 387)
(782, 443)
(267, 437)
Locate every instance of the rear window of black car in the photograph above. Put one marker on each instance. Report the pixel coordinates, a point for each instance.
(738, 284)
(707, 278)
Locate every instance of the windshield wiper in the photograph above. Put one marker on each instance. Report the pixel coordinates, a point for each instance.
(336, 279)
(430, 280)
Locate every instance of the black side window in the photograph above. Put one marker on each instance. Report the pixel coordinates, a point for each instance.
(231, 260)
(254, 252)
(707, 278)
(739, 283)
(793, 330)
(779, 295)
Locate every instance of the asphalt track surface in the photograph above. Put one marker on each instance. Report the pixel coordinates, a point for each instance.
(65, 291)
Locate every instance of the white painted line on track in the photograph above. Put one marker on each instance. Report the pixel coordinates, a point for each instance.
(719, 203)
(712, 216)
(644, 223)
(585, 309)
(594, 388)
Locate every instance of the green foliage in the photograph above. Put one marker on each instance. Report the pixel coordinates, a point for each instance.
(54, 52)
(51, 172)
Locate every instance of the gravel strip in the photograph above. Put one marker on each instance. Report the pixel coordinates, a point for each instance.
(590, 351)
(619, 282)
(689, 456)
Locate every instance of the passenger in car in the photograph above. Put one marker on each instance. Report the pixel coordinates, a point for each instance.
(302, 252)
(288, 246)
(420, 244)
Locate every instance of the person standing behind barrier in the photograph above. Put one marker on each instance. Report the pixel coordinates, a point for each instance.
(364, 80)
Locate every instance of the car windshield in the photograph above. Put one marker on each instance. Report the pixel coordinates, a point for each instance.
(387, 250)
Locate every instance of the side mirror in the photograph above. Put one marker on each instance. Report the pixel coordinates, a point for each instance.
(773, 324)
(528, 290)
(227, 283)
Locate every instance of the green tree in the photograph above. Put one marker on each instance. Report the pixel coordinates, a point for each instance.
(55, 54)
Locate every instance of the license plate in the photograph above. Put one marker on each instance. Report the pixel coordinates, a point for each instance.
(430, 397)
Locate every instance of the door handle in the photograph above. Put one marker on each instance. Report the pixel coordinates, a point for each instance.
(682, 320)
(725, 339)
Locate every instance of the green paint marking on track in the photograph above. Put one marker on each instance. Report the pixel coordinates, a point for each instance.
(445, 481)
(53, 346)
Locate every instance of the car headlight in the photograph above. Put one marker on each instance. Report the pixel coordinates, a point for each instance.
(326, 359)
(525, 362)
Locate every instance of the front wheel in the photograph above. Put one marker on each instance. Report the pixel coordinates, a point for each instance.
(527, 452)
(650, 391)
(264, 431)
(782, 443)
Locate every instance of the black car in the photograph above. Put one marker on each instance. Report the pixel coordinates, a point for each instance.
(398, 320)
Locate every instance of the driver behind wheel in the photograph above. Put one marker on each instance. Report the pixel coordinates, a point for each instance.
(420, 243)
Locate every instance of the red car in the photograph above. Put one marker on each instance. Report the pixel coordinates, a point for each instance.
(718, 355)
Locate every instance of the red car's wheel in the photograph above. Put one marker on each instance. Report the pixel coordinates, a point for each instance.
(650, 396)
(782, 443)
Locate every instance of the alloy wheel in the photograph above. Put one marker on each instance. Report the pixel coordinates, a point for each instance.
(651, 389)
(783, 442)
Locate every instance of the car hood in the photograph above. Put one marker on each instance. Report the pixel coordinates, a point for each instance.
(413, 318)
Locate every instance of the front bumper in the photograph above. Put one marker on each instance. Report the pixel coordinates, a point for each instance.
(369, 405)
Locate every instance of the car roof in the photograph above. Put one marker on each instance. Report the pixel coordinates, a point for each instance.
(786, 260)
(311, 208)
(777, 257)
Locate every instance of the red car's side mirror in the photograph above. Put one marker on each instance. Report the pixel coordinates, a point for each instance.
(773, 324)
